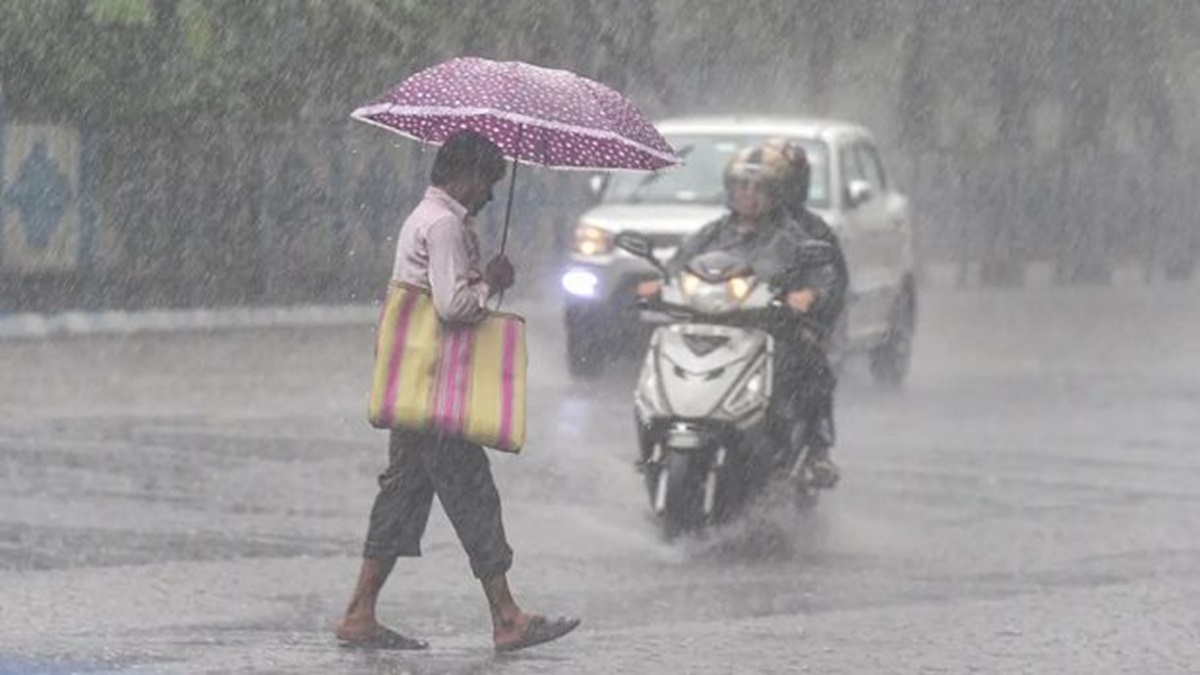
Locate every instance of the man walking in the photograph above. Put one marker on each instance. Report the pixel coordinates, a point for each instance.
(438, 251)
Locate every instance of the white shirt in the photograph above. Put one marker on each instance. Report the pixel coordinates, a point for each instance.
(439, 251)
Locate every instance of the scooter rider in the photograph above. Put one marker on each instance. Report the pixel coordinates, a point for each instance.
(760, 229)
(826, 316)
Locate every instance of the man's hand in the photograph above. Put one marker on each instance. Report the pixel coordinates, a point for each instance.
(802, 300)
(499, 274)
(648, 288)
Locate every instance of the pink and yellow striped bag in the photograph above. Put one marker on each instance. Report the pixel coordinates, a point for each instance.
(463, 380)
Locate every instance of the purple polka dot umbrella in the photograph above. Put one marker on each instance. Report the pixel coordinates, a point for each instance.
(540, 116)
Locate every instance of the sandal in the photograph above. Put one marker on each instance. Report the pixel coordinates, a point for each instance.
(384, 638)
(540, 630)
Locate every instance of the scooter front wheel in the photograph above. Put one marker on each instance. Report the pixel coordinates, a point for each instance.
(679, 494)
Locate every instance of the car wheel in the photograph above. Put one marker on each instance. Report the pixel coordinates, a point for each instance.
(586, 352)
(585, 358)
(890, 361)
(839, 347)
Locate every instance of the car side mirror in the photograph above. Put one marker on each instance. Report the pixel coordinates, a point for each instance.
(638, 245)
(858, 192)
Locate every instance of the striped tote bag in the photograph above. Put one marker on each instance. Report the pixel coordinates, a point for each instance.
(459, 380)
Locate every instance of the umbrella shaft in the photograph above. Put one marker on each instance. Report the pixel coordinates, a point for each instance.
(512, 185)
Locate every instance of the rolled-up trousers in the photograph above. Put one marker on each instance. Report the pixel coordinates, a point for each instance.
(420, 466)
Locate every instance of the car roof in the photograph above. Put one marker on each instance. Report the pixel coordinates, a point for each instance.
(762, 125)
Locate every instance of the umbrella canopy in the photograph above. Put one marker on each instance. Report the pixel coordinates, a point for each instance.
(550, 118)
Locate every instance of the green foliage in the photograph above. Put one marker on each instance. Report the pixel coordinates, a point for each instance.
(251, 60)
(121, 12)
(1038, 111)
(198, 28)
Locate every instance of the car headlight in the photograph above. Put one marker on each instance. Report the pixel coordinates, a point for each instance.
(580, 283)
(592, 240)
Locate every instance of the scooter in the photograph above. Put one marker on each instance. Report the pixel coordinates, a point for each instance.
(708, 434)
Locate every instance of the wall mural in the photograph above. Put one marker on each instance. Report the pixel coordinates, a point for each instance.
(40, 205)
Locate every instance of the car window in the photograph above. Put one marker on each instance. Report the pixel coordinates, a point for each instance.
(872, 168)
(699, 180)
(850, 168)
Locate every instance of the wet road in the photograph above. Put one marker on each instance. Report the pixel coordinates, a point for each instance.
(195, 502)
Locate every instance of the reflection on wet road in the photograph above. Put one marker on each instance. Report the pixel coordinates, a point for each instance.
(195, 502)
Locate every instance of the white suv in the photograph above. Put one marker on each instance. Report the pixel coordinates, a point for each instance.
(849, 189)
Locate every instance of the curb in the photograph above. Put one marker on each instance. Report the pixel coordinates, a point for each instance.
(32, 325)
(79, 323)
(955, 276)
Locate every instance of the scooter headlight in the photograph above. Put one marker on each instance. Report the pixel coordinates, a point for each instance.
(715, 298)
(739, 288)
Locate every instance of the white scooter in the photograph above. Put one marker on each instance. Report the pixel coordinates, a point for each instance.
(707, 429)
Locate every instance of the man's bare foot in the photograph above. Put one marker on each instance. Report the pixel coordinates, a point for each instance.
(527, 630)
(354, 628)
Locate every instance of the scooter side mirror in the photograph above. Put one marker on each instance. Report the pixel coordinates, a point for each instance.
(638, 245)
(634, 243)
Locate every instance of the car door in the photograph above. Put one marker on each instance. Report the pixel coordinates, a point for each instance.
(864, 213)
(888, 219)
(892, 230)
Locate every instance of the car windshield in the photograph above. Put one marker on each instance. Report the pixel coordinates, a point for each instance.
(698, 180)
